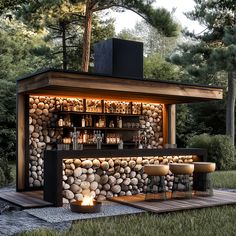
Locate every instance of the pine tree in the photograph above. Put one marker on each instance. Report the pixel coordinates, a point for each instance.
(6, 5)
(63, 21)
(214, 50)
(153, 40)
(159, 18)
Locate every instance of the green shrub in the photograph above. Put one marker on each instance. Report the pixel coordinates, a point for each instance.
(219, 147)
(2, 178)
(200, 141)
(6, 170)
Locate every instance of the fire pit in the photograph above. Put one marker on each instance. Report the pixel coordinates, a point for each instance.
(88, 205)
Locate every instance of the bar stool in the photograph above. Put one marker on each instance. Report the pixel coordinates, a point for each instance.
(156, 189)
(182, 186)
(202, 184)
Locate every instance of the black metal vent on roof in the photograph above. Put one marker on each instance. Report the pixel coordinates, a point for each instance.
(118, 57)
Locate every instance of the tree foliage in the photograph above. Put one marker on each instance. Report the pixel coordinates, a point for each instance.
(213, 51)
(220, 149)
(157, 48)
(154, 40)
(63, 22)
(24, 51)
(159, 18)
(155, 67)
(9, 4)
(21, 52)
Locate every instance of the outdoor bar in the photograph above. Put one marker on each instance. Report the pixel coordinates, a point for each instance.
(82, 134)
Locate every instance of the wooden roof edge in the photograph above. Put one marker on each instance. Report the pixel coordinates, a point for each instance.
(51, 70)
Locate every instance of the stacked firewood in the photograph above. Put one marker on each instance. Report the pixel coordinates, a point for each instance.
(107, 177)
(151, 126)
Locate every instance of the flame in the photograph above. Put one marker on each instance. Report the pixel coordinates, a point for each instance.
(87, 201)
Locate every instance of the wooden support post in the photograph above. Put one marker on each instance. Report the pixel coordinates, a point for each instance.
(165, 124)
(22, 142)
(172, 124)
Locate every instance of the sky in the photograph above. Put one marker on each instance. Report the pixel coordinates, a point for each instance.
(128, 19)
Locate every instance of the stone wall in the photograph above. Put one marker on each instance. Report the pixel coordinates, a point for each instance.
(108, 177)
(41, 136)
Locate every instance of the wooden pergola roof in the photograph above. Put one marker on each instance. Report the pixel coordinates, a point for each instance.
(78, 84)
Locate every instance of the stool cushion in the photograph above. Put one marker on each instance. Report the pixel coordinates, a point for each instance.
(156, 170)
(181, 168)
(204, 167)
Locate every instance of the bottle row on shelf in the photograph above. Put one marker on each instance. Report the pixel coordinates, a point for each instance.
(77, 139)
(101, 122)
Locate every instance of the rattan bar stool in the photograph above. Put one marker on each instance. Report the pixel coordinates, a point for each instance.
(202, 184)
(182, 186)
(156, 189)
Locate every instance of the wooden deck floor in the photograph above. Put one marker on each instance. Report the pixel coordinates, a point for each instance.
(138, 201)
(25, 200)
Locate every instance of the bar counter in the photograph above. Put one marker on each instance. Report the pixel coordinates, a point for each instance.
(54, 159)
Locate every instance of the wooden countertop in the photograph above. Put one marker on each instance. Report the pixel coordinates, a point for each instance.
(94, 153)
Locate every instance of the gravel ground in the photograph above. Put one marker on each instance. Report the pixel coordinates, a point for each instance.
(18, 221)
(62, 214)
(14, 220)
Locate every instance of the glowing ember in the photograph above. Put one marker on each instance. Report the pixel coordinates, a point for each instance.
(87, 201)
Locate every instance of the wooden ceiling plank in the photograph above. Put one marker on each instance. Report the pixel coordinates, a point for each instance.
(94, 86)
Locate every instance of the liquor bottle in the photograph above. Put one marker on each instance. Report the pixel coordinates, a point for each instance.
(85, 137)
(60, 122)
(90, 121)
(120, 144)
(83, 122)
(120, 123)
(117, 122)
(86, 121)
(111, 124)
(100, 121)
(103, 122)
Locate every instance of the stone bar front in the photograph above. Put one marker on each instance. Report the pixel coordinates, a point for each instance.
(71, 175)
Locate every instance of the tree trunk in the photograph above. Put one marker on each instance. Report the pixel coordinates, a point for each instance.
(87, 37)
(64, 46)
(230, 109)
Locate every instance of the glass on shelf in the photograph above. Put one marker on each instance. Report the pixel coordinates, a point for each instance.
(112, 138)
(93, 105)
(128, 125)
(67, 121)
(66, 143)
(118, 138)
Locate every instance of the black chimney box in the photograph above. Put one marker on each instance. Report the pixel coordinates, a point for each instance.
(118, 57)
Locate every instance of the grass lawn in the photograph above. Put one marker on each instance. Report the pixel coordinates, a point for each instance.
(224, 179)
(210, 221)
(205, 222)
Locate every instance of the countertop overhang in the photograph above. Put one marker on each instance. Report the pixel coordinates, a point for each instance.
(94, 153)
